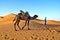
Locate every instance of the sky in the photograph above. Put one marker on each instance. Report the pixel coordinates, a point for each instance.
(48, 8)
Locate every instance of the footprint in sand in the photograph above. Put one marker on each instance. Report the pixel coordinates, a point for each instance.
(1, 35)
(6, 37)
(39, 39)
(34, 37)
(12, 39)
(52, 38)
(46, 38)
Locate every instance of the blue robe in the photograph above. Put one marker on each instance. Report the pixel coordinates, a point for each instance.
(45, 21)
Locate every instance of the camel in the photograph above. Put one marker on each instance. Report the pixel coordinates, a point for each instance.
(23, 16)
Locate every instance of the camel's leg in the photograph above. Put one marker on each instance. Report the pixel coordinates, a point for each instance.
(15, 25)
(28, 24)
(25, 24)
(18, 24)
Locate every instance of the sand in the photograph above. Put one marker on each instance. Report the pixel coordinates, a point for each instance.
(37, 30)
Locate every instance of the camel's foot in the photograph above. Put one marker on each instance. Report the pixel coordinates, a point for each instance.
(22, 28)
(28, 28)
(16, 30)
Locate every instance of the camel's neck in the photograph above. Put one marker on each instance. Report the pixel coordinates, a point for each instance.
(32, 18)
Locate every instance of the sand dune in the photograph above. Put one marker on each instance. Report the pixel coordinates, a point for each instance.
(37, 30)
(48, 22)
(8, 18)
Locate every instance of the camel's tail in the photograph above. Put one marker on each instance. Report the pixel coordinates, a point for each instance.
(14, 19)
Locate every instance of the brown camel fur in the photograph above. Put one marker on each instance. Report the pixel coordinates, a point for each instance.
(23, 16)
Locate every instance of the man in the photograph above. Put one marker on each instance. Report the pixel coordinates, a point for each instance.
(45, 21)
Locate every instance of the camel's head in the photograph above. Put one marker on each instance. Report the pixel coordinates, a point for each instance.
(35, 16)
